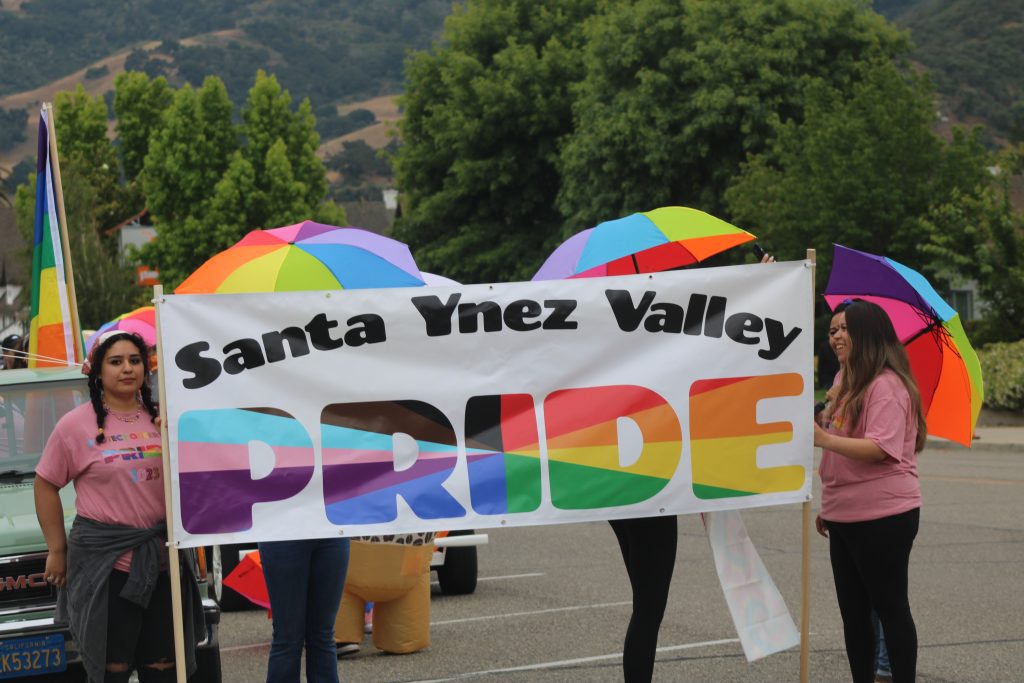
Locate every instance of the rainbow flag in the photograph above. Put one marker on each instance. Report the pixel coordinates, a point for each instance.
(52, 328)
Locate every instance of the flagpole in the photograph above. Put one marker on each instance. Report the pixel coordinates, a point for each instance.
(62, 219)
(805, 562)
(172, 548)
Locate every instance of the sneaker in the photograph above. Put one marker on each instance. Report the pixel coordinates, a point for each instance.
(883, 678)
(346, 649)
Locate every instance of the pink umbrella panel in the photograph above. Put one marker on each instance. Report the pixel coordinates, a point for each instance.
(141, 321)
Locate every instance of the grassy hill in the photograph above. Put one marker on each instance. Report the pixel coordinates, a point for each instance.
(347, 55)
(335, 53)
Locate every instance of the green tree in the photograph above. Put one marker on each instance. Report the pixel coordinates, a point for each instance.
(980, 237)
(139, 104)
(285, 196)
(208, 182)
(863, 169)
(358, 161)
(81, 122)
(189, 154)
(678, 94)
(86, 154)
(1017, 122)
(484, 113)
(268, 118)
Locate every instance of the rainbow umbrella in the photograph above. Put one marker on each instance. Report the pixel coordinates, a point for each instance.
(141, 321)
(942, 360)
(306, 256)
(434, 280)
(648, 242)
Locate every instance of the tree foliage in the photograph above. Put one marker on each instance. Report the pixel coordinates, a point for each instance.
(484, 114)
(973, 49)
(12, 127)
(863, 169)
(208, 181)
(269, 121)
(139, 104)
(677, 95)
(980, 237)
(533, 120)
(190, 152)
(358, 161)
(104, 287)
(331, 52)
(86, 154)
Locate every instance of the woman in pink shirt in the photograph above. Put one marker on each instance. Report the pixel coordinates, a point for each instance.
(870, 434)
(112, 567)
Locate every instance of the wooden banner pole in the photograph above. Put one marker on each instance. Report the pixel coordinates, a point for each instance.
(172, 549)
(65, 243)
(805, 562)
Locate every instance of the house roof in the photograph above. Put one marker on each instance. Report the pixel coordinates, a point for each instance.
(126, 222)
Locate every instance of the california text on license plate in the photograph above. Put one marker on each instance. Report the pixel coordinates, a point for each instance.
(32, 655)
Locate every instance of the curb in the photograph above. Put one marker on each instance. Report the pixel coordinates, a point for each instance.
(943, 445)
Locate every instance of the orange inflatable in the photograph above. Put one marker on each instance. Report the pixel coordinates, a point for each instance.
(396, 578)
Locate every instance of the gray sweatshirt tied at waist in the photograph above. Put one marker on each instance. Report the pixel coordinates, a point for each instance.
(93, 548)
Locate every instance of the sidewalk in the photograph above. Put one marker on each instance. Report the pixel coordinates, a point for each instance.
(1002, 431)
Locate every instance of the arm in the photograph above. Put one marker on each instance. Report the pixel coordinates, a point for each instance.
(864, 450)
(50, 512)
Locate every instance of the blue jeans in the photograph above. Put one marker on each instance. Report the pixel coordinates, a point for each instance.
(882, 655)
(305, 581)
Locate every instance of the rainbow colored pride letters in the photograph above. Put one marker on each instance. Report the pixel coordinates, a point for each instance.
(504, 455)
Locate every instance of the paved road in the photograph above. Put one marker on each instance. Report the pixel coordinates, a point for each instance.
(553, 602)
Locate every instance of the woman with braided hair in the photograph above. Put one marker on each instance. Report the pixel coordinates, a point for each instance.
(112, 569)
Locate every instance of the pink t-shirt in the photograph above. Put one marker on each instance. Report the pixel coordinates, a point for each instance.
(119, 481)
(857, 491)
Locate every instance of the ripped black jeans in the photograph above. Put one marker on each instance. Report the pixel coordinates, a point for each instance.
(139, 636)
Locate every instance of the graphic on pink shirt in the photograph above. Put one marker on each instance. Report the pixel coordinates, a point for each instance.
(119, 481)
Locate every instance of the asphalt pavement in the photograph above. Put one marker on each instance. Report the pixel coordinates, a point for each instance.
(553, 602)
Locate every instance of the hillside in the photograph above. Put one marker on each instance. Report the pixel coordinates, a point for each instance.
(974, 50)
(335, 53)
(347, 55)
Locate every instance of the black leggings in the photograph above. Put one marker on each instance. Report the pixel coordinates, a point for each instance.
(139, 636)
(870, 563)
(649, 550)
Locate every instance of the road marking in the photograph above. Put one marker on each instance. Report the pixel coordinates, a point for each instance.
(973, 480)
(553, 610)
(236, 648)
(500, 578)
(573, 662)
(510, 576)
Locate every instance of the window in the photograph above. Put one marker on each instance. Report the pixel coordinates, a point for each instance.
(963, 301)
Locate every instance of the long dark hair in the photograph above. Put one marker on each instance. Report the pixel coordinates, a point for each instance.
(99, 352)
(875, 348)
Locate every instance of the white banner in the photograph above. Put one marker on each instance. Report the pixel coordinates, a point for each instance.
(758, 611)
(360, 412)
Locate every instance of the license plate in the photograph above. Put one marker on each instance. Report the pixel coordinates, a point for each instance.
(32, 655)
